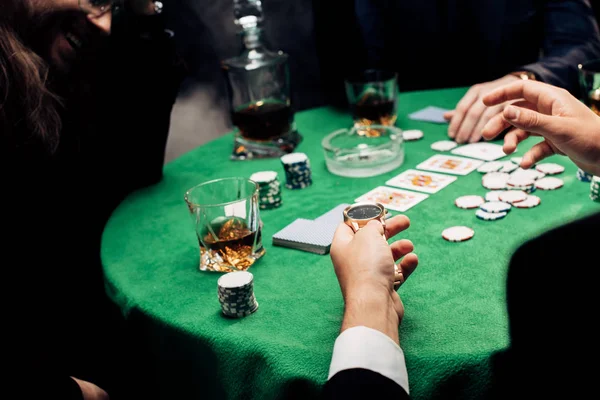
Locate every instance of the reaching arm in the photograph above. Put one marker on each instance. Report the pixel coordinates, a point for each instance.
(571, 37)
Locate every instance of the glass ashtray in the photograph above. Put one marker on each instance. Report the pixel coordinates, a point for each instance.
(363, 151)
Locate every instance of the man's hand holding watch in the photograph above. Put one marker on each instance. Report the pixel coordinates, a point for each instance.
(358, 215)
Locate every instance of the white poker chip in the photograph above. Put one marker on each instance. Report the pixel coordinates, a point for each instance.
(294, 158)
(520, 181)
(521, 173)
(487, 216)
(530, 202)
(412, 134)
(513, 196)
(495, 206)
(492, 166)
(493, 195)
(236, 279)
(526, 189)
(458, 233)
(516, 160)
(495, 180)
(263, 176)
(470, 201)
(549, 183)
(443, 145)
(550, 168)
(508, 167)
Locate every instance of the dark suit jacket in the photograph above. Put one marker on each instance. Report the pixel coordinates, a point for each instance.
(58, 318)
(553, 303)
(451, 43)
(362, 384)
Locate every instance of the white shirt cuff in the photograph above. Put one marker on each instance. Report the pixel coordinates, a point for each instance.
(366, 348)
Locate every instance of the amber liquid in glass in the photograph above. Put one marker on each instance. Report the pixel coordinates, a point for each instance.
(263, 120)
(234, 242)
(373, 109)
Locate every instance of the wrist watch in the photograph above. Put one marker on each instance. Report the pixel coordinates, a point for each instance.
(358, 215)
(524, 75)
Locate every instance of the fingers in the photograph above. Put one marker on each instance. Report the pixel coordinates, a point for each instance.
(395, 225)
(532, 121)
(463, 106)
(467, 128)
(408, 264)
(485, 118)
(512, 139)
(495, 126)
(498, 124)
(448, 115)
(401, 248)
(343, 235)
(540, 94)
(536, 154)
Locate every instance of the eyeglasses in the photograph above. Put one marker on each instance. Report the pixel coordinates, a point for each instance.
(97, 8)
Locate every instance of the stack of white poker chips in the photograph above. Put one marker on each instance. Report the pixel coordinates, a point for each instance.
(584, 176)
(269, 189)
(493, 210)
(236, 294)
(521, 183)
(595, 189)
(297, 170)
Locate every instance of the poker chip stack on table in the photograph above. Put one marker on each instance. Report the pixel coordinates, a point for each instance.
(297, 170)
(595, 189)
(269, 189)
(584, 176)
(236, 294)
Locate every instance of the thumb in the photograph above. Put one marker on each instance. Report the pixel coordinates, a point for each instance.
(343, 235)
(374, 228)
(531, 121)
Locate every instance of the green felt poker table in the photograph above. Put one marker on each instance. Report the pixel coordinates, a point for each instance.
(455, 322)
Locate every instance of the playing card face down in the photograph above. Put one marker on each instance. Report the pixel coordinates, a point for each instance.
(334, 216)
(481, 151)
(306, 235)
(450, 164)
(392, 198)
(421, 181)
(429, 114)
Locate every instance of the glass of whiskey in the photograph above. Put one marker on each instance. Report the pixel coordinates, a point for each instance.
(589, 82)
(225, 213)
(373, 98)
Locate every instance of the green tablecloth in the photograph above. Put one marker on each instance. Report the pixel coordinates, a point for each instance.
(455, 302)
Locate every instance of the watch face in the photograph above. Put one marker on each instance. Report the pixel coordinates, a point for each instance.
(364, 211)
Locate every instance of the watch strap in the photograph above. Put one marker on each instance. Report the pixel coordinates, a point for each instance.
(524, 75)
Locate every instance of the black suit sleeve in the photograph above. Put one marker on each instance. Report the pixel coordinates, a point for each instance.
(362, 384)
(552, 299)
(570, 37)
(147, 73)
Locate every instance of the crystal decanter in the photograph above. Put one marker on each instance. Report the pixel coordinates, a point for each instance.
(258, 85)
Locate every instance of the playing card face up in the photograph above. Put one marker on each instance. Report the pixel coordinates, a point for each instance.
(430, 114)
(450, 165)
(421, 181)
(481, 151)
(393, 199)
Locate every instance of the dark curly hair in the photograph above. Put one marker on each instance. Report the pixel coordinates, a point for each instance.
(27, 105)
